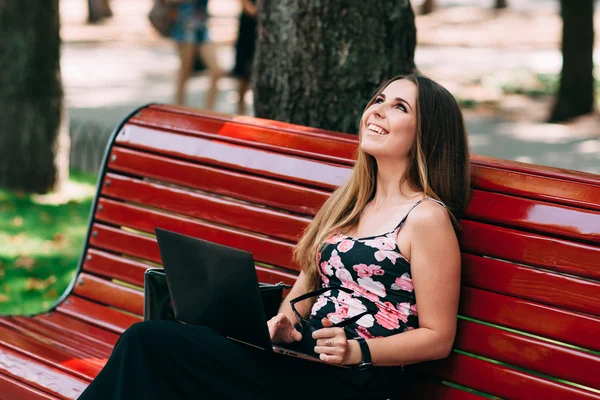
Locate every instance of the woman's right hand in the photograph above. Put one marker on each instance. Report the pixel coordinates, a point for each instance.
(282, 330)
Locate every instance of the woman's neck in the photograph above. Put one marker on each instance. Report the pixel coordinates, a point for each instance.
(391, 190)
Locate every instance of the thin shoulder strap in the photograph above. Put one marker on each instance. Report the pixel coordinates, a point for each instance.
(416, 204)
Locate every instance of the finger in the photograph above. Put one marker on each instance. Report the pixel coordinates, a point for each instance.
(323, 342)
(329, 359)
(326, 322)
(332, 351)
(327, 333)
(295, 335)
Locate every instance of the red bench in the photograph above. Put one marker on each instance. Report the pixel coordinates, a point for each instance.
(530, 304)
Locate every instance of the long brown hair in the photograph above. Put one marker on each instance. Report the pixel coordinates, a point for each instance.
(438, 166)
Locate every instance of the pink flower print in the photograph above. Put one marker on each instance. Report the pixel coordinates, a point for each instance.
(385, 246)
(364, 333)
(321, 301)
(389, 317)
(344, 276)
(372, 286)
(367, 321)
(364, 270)
(324, 279)
(335, 260)
(339, 315)
(413, 308)
(345, 245)
(381, 255)
(403, 283)
(405, 310)
(362, 291)
(326, 268)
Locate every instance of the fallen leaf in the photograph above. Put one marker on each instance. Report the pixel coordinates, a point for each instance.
(6, 288)
(2, 273)
(25, 262)
(37, 284)
(51, 293)
(16, 240)
(4, 298)
(17, 221)
(60, 241)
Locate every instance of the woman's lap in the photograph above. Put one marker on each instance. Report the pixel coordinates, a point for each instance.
(188, 360)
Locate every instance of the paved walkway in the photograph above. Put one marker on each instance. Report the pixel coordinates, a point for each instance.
(110, 69)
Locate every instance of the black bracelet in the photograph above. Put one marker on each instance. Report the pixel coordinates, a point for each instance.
(366, 354)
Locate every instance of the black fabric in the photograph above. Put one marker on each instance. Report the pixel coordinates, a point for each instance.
(168, 360)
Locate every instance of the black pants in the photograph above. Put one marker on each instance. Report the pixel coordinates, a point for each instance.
(167, 360)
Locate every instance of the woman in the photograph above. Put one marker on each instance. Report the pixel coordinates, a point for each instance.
(244, 50)
(190, 34)
(387, 236)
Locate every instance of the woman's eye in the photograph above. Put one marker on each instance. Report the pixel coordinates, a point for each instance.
(401, 107)
(378, 100)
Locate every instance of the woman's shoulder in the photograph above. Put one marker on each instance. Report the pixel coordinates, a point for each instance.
(428, 215)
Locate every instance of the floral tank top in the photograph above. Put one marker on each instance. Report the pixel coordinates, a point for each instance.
(380, 278)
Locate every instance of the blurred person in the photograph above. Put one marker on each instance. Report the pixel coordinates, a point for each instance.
(190, 33)
(98, 10)
(244, 50)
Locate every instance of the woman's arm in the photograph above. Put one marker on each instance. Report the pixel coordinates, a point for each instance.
(435, 267)
(298, 289)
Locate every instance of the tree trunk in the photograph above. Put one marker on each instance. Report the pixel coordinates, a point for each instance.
(318, 62)
(98, 10)
(428, 7)
(576, 93)
(31, 95)
(501, 4)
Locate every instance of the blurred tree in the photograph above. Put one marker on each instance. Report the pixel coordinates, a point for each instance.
(98, 10)
(318, 62)
(428, 7)
(576, 93)
(501, 4)
(33, 148)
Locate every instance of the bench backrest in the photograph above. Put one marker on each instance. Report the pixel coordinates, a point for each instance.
(530, 304)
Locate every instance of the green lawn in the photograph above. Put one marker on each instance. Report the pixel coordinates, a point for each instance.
(41, 238)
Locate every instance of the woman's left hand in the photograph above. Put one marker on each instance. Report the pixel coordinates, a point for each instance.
(334, 347)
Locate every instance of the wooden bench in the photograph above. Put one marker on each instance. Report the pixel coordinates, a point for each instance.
(530, 303)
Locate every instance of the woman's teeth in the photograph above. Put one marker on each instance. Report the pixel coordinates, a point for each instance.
(377, 129)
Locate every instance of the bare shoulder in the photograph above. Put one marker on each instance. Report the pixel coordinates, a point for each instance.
(427, 217)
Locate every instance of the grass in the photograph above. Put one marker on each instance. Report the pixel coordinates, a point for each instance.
(41, 238)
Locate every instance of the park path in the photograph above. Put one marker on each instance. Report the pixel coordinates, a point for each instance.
(112, 68)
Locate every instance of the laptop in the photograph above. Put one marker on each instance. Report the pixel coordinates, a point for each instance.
(227, 298)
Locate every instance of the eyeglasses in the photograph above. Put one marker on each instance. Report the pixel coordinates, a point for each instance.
(304, 325)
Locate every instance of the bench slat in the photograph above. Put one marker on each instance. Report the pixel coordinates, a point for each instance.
(84, 331)
(265, 250)
(532, 284)
(96, 314)
(532, 249)
(61, 359)
(13, 389)
(105, 292)
(526, 316)
(529, 353)
(59, 339)
(420, 388)
(221, 211)
(553, 190)
(294, 169)
(112, 266)
(39, 375)
(537, 216)
(502, 381)
(329, 146)
(254, 189)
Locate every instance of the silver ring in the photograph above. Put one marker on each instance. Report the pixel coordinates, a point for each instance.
(328, 342)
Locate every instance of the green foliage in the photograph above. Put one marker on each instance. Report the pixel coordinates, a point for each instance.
(40, 244)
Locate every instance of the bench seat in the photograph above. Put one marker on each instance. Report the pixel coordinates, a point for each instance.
(530, 302)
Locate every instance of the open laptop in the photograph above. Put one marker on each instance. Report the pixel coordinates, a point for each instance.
(226, 297)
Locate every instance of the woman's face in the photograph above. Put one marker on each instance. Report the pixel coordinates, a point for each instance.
(389, 125)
